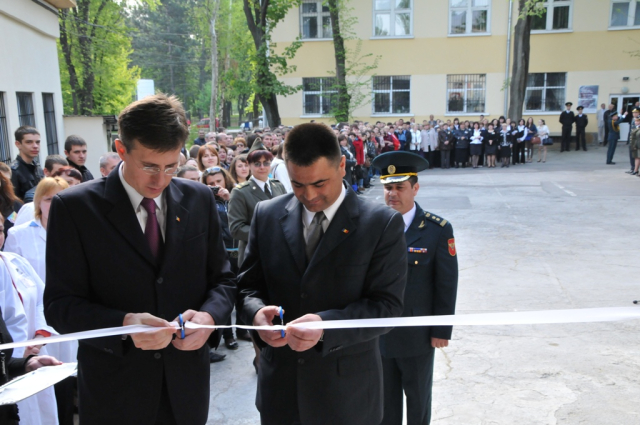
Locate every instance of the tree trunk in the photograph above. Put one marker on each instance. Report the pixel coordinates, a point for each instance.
(66, 50)
(342, 111)
(214, 66)
(520, 70)
(255, 111)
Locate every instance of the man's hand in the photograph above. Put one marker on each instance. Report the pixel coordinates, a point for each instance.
(302, 339)
(40, 361)
(33, 350)
(194, 338)
(264, 317)
(152, 340)
(439, 343)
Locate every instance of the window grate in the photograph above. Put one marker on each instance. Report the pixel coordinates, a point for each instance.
(466, 93)
(5, 144)
(25, 109)
(318, 95)
(545, 92)
(392, 94)
(50, 123)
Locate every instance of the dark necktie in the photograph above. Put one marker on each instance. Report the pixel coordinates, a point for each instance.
(152, 228)
(267, 191)
(314, 234)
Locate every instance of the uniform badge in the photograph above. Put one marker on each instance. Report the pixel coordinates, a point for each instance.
(417, 250)
(452, 247)
(391, 169)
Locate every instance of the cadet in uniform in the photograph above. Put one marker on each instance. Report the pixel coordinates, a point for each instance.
(25, 172)
(581, 124)
(432, 283)
(567, 118)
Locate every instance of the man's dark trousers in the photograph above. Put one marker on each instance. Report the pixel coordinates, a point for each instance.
(566, 138)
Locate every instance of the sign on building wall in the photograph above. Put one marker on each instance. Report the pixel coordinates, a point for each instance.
(588, 98)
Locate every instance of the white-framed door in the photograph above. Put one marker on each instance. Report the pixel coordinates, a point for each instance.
(624, 103)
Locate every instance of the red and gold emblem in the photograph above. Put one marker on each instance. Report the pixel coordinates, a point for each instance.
(452, 247)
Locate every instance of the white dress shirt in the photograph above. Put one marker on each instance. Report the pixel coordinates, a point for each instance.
(409, 216)
(136, 199)
(29, 240)
(330, 212)
(261, 184)
(279, 172)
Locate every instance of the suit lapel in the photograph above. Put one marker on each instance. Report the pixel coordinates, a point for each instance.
(341, 227)
(176, 222)
(291, 223)
(123, 217)
(414, 231)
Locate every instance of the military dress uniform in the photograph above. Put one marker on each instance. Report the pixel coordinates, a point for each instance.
(432, 282)
(567, 118)
(24, 176)
(581, 125)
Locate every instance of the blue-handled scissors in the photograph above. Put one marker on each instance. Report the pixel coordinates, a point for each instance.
(181, 325)
(281, 313)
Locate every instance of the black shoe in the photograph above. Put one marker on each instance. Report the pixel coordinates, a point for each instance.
(611, 163)
(215, 357)
(585, 149)
(245, 336)
(635, 173)
(358, 192)
(231, 343)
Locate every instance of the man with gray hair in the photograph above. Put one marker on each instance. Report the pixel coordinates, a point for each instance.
(108, 162)
(210, 137)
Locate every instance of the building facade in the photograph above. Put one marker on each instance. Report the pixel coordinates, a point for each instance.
(30, 92)
(449, 58)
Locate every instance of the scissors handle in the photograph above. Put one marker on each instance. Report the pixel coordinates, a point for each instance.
(281, 313)
(181, 325)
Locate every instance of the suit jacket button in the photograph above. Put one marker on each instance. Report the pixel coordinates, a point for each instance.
(300, 361)
(160, 280)
(157, 356)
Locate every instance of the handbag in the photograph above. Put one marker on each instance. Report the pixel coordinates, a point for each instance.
(548, 141)
(535, 140)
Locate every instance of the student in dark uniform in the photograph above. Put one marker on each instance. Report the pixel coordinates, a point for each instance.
(25, 172)
(505, 144)
(432, 283)
(581, 124)
(567, 118)
(491, 140)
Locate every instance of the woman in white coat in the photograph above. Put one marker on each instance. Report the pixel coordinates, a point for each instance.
(29, 242)
(415, 139)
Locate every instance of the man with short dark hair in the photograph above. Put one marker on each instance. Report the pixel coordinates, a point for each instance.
(567, 118)
(200, 140)
(581, 126)
(607, 118)
(408, 353)
(337, 257)
(26, 173)
(108, 162)
(150, 226)
(52, 164)
(75, 147)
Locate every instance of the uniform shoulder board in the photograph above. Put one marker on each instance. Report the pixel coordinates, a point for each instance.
(275, 180)
(438, 220)
(241, 185)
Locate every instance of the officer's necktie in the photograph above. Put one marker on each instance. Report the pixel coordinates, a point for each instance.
(152, 228)
(314, 234)
(267, 191)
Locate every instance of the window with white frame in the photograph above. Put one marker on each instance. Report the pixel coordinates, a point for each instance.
(392, 18)
(545, 92)
(625, 13)
(318, 94)
(469, 16)
(555, 15)
(5, 143)
(391, 94)
(315, 22)
(466, 93)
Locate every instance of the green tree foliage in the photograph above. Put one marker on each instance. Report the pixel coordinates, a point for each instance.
(94, 53)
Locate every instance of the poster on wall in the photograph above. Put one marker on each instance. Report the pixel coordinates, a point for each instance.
(588, 98)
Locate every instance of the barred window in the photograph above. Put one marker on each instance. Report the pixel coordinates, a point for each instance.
(392, 94)
(392, 18)
(25, 109)
(545, 92)
(556, 15)
(318, 95)
(315, 22)
(466, 93)
(625, 13)
(469, 16)
(5, 143)
(50, 123)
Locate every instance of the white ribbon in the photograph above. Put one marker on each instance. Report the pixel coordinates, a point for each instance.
(583, 315)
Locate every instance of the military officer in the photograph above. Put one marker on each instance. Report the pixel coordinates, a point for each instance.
(567, 118)
(432, 282)
(581, 124)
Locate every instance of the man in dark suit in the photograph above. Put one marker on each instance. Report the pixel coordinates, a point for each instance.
(116, 255)
(408, 353)
(581, 124)
(567, 118)
(607, 119)
(322, 253)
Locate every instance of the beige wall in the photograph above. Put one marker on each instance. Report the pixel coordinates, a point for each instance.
(29, 63)
(93, 131)
(589, 53)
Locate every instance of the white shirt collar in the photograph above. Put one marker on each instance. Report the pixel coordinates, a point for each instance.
(330, 212)
(260, 183)
(133, 194)
(409, 216)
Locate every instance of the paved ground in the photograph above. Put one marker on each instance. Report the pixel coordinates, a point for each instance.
(563, 234)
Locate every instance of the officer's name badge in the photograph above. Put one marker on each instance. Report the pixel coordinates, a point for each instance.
(418, 250)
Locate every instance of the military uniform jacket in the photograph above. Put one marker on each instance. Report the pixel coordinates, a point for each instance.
(582, 121)
(567, 118)
(243, 201)
(432, 284)
(24, 176)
